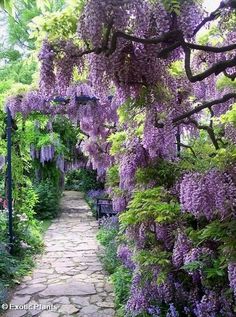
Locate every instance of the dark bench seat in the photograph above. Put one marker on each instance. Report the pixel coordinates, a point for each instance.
(104, 208)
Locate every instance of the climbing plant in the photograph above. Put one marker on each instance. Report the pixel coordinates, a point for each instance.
(150, 86)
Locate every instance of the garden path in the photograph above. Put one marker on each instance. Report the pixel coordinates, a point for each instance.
(68, 279)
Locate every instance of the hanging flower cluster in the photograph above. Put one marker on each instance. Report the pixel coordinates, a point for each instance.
(211, 195)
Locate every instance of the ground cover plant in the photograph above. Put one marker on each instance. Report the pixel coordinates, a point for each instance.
(146, 91)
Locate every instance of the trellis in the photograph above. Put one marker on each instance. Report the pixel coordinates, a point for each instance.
(82, 99)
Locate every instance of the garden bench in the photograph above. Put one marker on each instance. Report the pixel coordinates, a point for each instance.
(104, 208)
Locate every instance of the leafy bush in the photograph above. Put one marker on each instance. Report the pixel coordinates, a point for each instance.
(82, 180)
(107, 238)
(112, 177)
(163, 173)
(120, 275)
(47, 206)
(8, 265)
(121, 280)
(27, 242)
(151, 204)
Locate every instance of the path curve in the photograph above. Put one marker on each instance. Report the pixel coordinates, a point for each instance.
(68, 279)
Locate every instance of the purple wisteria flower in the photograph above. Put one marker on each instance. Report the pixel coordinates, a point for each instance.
(232, 276)
(94, 194)
(125, 255)
(172, 312)
(208, 306)
(211, 194)
(154, 311)
(181, 248)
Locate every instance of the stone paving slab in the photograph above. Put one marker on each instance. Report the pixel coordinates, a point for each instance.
(68, 279)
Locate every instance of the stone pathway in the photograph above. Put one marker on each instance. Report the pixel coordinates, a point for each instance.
(69, 279)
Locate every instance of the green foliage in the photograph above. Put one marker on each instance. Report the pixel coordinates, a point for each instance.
(193, 266)
(105, 236)
(205, 155)
(112, 177)
(49, 5)
(218, 269)
(27, 241)
(164, 173)
(26, 227)
(214, 271)
(121, 277)
(15, 78)
(3, 230)
(121, 280)
(47, 206)
(230, 116)
(153, 257)
(60, 24)
(10, 55)
(109, 257)
(210, 36)
(82, 180)
(117, 140)
(152, 204)
(24, 12)
(172, 6)
(222, 235)
(224, 82)
(8, 265)
(6, 5)
(45, 224)
(130, 110)
(176, 69)
(12, 269)
(40, 136)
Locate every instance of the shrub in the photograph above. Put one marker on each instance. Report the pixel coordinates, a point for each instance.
(47, 206)
(121, 280)
(27, 241)
(82, 180)
(107, 237)
(8, 265)
(121, 276)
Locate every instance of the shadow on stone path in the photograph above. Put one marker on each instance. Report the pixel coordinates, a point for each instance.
(69, 279)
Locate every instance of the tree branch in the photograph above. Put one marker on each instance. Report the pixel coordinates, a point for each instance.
(165, 38)
(166, 51)
(205, 105)
(213, 49)
(188, 147)
(214, 15)
(208, 129)
(215, 69)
